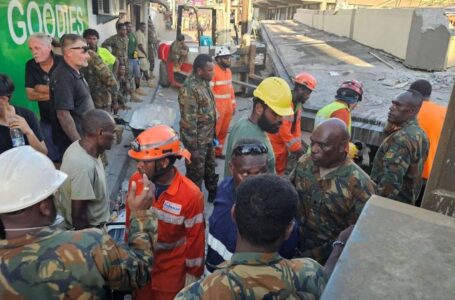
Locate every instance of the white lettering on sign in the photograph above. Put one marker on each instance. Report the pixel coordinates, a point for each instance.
(49, 19)
(52, 20)
(34, 6)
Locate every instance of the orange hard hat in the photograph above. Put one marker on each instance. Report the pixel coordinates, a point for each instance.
(306, 79)
(157, 142)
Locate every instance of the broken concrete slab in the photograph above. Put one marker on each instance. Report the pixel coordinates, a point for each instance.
(429, 39)
(396, 251)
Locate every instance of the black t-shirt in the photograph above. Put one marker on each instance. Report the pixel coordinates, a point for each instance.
(35, 75)
(68, 91)
(29, 116)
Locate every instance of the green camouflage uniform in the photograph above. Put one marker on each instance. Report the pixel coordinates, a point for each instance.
(101, 82)
(197, 130)
(260, 276)
(152, 42)
(398, 165)
(125, 88)
(56, 264)
(328, 204)
(119, 48)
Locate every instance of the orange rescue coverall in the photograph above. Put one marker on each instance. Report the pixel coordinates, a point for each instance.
(225, 103)
(181, 237)
(431, 119)
(287, 139)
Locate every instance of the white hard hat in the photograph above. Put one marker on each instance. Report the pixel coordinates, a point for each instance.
(222, 51)
(26, 178)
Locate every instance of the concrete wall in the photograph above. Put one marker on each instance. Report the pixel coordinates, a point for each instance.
(105, 30)
(318, 20)
(429, 41)
(305, 16)
(385, 29)
(422, 38)
(339, 23)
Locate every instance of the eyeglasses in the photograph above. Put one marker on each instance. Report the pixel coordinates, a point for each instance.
(250, 149)
(83, 48)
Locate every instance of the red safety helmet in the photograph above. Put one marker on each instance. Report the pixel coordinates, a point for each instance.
(157, 142)
(306, 79)
(352, 85)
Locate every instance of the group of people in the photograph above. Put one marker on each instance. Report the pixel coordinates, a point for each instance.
(282, 213)
(83, 77)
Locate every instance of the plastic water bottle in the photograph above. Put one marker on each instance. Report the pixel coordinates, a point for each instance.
(17, 137)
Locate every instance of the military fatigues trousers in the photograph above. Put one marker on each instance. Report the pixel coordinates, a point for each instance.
(203, 168)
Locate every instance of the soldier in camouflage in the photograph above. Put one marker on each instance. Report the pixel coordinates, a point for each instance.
(179, 51)
(40, 261)
(152, 43)
(197, 124)
(256, 270)
(398, 165)
(332, 189)
(118, 44)
(102, 83)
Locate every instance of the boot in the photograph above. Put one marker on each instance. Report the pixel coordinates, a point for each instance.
(135, 98)
(141, 92)
(151, 84)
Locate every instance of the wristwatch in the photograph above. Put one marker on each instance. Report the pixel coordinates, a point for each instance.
(337, 242)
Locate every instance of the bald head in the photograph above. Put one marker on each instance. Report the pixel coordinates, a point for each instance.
(413, 97)
(329, 143)
(335, 127)
(96, 120)
(405, 107)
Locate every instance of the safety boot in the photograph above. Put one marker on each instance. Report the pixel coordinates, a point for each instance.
(141, 92)
(136, 98)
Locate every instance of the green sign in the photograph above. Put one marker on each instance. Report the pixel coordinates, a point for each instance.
(19, 19)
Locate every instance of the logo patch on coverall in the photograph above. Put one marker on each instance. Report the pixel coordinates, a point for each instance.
(172, 207)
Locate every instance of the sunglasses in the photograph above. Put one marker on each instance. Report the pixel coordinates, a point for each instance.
(83, 48)
(250, 149)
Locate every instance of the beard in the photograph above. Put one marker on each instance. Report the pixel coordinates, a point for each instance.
(266, 126)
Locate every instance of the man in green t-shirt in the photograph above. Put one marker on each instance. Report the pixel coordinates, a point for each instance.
(272, 100)
(84, 196)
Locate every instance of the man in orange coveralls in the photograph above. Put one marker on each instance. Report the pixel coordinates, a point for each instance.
(179, 205)
(224, 95)
(288, 141)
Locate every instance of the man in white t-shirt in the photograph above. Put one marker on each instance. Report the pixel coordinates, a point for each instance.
(84, 196)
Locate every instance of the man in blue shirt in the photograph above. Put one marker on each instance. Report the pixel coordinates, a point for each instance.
(249, 158)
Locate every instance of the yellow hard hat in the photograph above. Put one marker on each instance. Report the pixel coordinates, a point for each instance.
(275, 92)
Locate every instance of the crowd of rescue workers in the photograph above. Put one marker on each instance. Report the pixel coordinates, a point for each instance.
(281, 215)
